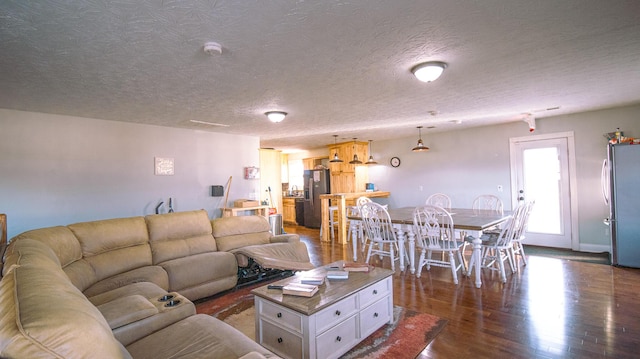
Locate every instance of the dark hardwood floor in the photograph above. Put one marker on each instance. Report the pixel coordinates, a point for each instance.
(551, 308)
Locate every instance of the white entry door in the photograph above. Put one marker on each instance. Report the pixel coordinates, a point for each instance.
(542, 170)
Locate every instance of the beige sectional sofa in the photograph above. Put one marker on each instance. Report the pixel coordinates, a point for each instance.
(122, 288)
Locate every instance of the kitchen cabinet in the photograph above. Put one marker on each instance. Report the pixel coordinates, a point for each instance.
(313, 162)
(289, 210)
(345, 177)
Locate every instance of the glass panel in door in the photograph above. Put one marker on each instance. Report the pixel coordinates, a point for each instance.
(542, 175)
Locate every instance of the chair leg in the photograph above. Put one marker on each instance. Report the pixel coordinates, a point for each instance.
(421, 263)
(521, 251)
(511, 256)
(503, 275)
(331, 221)
(462, 263)
(369, 252)
(454, 269)
(392, 256)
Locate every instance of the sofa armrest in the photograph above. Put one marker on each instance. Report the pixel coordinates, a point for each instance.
(126, 310)
(285, 238)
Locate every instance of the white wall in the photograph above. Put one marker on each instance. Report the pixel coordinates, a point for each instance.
(468, 162)
(57, 170)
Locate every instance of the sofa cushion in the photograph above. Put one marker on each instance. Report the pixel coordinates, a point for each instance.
(126, 310)
(53, 318)
(199, 336)
(153, 274)
(235, 232)
(179, 234)
(60, 239)
(114, 246)
(145, 289)
(192, 271)
(292, 256)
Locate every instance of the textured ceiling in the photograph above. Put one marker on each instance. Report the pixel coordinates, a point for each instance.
(337, 67)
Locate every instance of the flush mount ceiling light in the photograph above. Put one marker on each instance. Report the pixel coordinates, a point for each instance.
(428, 71)
(370, 161)
(355, 160)
(212, 48)
(335, 158)
(420, 147)
(275, 116)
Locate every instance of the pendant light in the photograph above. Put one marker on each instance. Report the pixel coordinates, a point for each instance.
(420, 147)
(370, 161)
(335, 158)
(355, 160)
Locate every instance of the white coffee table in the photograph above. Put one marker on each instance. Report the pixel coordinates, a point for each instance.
(327, 325)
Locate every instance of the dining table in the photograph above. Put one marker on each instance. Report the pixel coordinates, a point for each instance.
(465, 220)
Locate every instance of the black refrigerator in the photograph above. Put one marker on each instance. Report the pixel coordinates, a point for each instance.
(622, 175)
(316, 182)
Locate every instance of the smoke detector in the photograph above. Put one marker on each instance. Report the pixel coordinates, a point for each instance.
(212, 48)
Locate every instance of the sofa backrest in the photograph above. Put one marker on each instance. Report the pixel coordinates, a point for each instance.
(179, 234)
(53, 318)
(236, 232)
(113, 246)
(67, 249)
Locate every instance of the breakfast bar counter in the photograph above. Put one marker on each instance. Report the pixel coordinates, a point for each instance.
(340, 200)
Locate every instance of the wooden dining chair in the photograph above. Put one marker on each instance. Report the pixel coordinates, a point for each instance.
(488, 202)
(523, 211)
(496, 248)
(380, 232)
(433, 227)
(439, 200)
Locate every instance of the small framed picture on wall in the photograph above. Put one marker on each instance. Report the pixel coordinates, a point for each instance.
(251, 173)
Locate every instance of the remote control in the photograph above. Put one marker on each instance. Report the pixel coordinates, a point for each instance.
(273, 286)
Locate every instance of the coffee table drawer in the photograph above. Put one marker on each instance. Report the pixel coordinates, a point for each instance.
(280, 341)
(374, 292)
(336, 313)
(338, 340)
(374, 316)
(282, 316)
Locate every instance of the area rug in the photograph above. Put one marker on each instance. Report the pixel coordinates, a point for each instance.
(406, 337)
(559, 253)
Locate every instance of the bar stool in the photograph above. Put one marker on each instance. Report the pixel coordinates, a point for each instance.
(332, 220)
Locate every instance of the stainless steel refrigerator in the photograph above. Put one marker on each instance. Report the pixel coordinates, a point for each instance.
(316, 182)
(621, 177)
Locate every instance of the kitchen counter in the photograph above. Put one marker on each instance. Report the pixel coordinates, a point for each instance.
(340, 200)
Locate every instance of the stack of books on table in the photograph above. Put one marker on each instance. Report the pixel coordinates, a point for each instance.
(300, 290)
(312, 279)
(357, 267)
(337, 274)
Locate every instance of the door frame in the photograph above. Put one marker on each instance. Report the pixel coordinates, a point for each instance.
(573, 183)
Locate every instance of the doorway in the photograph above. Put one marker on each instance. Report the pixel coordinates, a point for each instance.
(543, 170)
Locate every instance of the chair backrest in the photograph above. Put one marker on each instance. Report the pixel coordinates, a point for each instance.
(488, 202)
(439, 200)
(521, 214)
(362, 200)
(507, 233)
(377, 223)
(433, 227)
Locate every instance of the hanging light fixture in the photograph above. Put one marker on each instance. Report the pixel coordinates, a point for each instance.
(370, 161)
(355, 160)
(335, 158)
(420, 147)
(428, 71)
(275, 116)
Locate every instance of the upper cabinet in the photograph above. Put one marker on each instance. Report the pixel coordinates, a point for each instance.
(346, 177)
(313, 162)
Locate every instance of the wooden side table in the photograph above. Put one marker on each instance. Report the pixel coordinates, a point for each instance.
(233, 211)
